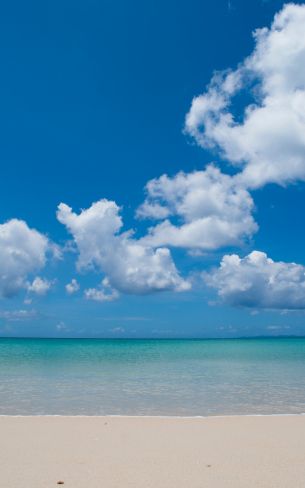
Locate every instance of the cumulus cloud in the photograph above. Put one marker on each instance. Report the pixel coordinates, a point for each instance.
(212, 208)
(269, 141)
(39, 286)
(22, 252)
(72, 287)
(105, 293)
(129, 265)
(259, 282)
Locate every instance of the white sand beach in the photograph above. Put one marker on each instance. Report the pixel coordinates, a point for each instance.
(152, 452)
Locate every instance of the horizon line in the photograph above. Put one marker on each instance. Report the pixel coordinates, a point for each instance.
(291, 336)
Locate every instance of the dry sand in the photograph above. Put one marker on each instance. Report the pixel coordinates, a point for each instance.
(138, 452)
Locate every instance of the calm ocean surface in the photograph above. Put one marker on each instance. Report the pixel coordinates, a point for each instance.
(152, 377)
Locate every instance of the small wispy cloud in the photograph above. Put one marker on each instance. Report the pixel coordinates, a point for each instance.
(126, 319)
(117, 330)
(18, 315)
(62, 327)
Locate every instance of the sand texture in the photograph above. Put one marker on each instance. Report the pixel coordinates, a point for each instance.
(123, 452)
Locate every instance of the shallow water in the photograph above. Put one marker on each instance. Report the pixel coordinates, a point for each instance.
(152, 377)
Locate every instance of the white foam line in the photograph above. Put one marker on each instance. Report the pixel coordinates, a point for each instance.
(154, 416)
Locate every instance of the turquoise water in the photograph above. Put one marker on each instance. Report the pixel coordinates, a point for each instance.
(152, 377)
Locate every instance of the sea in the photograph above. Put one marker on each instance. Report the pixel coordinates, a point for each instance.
(152, 377)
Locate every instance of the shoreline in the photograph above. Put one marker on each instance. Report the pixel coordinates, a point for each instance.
(242, 415)
(153, 452)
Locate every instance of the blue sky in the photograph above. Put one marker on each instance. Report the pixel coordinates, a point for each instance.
(93, 105)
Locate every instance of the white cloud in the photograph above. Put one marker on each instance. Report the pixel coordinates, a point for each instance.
(212, 208)
(61, 327)
(100, 295)
(105, 293)
(259, 282)
(118, 330)
(18, 315)
(269, 143)
(39, 286)
(72, 287)
(130, 266)
(22, 252)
